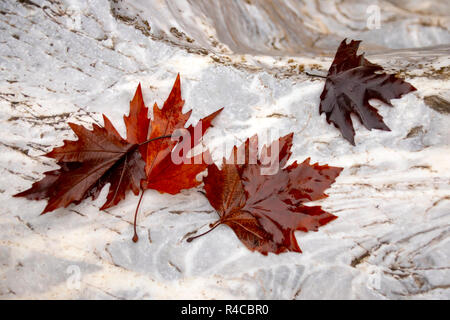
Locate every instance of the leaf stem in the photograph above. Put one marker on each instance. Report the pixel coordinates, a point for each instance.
(213, 226)
(315, 75)
(135, 237)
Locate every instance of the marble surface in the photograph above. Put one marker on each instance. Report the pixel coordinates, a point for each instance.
(72, 60)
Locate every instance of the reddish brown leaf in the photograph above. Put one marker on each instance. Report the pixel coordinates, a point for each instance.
(163, 174)
(98, 157)
(265, 210)
(351, 82)
(137, 122)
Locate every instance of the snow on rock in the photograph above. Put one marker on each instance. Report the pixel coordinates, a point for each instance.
(72, 60)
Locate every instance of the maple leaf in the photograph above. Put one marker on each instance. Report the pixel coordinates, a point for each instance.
(98, 157)
(163, 174)
(264, 211)
(351, 81)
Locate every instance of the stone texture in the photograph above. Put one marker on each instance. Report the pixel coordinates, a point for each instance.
(72, 60)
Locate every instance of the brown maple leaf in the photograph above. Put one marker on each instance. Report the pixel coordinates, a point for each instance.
(351, 81)
(98, 157)
(264, 211)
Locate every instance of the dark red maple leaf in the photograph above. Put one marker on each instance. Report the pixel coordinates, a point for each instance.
(264, 211)
(86, 165)
(98, 157)
(351, 81)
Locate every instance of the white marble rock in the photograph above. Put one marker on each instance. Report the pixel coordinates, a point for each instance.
(72, 60)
